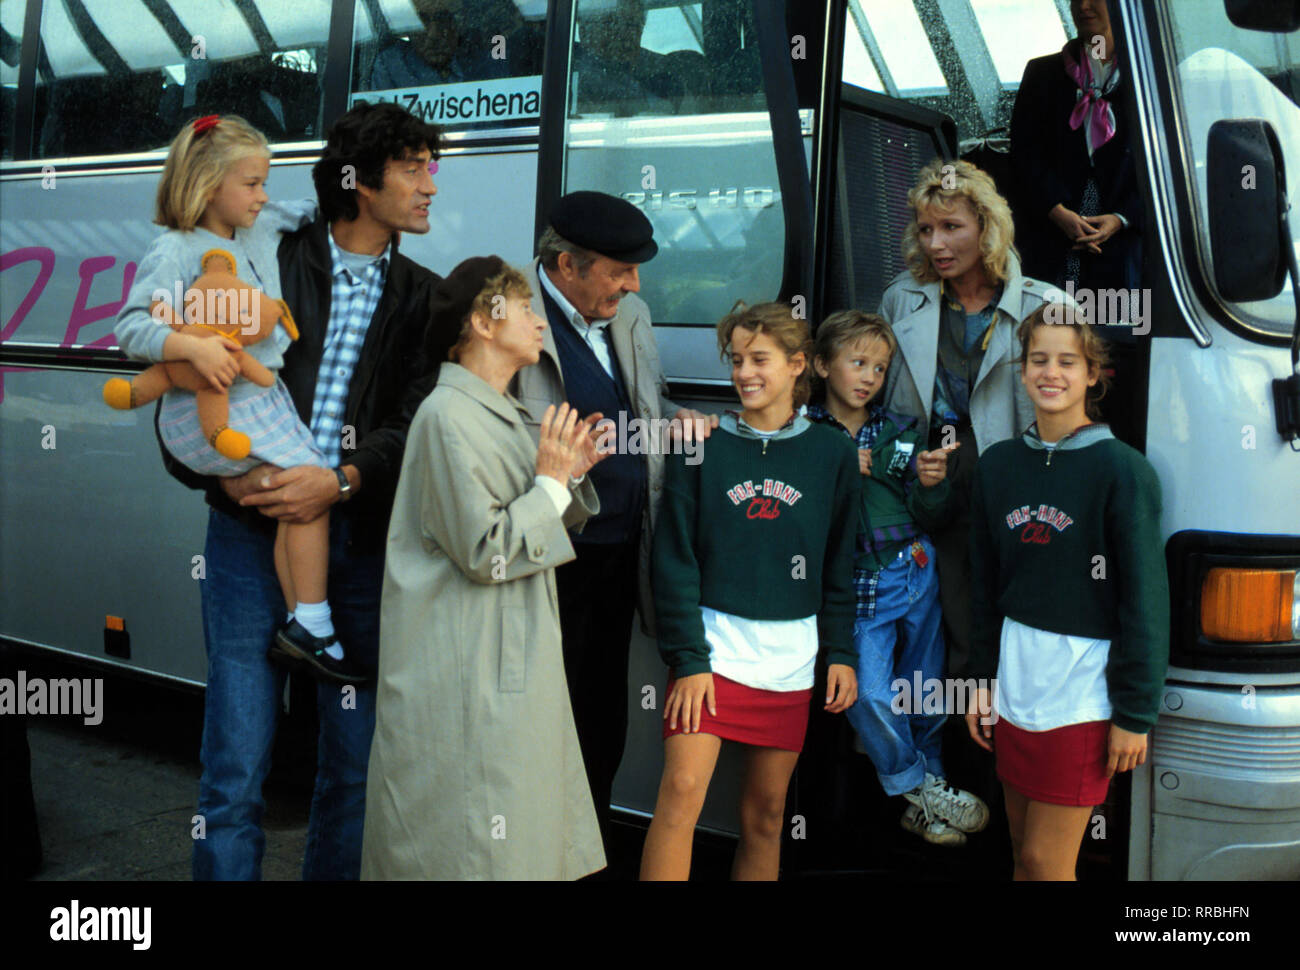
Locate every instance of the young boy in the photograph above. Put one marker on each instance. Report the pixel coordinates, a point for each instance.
(904, 494)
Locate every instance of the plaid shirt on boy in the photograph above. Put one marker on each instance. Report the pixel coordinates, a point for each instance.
(864, 580)
(353, 300)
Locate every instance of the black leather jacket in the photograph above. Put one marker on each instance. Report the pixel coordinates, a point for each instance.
(391, 378)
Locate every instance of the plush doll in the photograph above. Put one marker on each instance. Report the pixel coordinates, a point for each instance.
(217, 304)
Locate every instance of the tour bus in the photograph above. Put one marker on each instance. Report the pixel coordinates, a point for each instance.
(772, 145)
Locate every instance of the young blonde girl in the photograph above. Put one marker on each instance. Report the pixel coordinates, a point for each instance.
(1070, 600)
(753, 579)
(212, 196)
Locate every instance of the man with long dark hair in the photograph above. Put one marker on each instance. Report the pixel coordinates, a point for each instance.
(357, 375)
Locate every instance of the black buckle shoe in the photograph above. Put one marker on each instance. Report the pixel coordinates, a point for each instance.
(293, 643)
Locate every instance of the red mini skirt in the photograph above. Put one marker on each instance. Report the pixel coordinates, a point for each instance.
(763, 718)
(1064, 766)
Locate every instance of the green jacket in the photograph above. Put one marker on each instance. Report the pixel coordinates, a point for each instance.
(895, 507)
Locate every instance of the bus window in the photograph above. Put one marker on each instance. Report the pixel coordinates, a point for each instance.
(1018, 31)
(905, 60)
(1224, 71)
(634, 57)
(11, 35)
(666, 109)
(457, 63)
(965, 61)
(122, 76)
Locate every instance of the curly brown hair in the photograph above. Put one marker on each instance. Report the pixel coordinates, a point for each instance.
(942, 185)
(779, 322)
(507, 283)
(1093, 346)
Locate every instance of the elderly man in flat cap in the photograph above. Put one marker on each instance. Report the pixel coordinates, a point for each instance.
(599, 354)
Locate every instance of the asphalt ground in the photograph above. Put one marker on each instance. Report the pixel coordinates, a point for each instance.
(115, 801)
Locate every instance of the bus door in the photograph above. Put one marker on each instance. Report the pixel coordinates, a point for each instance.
(905, 83)
(702, 114)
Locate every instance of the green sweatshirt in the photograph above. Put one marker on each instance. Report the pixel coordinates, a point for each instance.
(762, 530)
(1068, 541)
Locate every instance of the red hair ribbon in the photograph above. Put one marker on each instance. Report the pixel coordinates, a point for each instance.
(203, 124)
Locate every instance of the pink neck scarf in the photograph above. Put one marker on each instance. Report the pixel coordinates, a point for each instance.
(1091, 106)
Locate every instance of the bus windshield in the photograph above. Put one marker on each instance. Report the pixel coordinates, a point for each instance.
(1224, 71)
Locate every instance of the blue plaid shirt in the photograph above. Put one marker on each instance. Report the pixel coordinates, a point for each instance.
(864, 580)
(353, 301)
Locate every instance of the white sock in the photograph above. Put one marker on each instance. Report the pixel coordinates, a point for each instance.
(315, 619)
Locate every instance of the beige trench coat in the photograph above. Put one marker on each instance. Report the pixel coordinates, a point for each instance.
(999, 406)
(475, 769)
(633, 339)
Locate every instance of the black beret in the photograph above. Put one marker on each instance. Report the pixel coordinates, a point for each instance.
(605, 224)
(452, 298)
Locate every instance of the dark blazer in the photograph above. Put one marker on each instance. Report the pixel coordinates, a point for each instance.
(1052, 166)
(391, 378)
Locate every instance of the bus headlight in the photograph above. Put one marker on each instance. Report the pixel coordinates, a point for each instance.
(1251, 605)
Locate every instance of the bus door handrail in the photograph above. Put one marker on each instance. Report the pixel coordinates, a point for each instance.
(787, 146)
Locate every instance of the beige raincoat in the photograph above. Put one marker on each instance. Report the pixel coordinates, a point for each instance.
(475, 770)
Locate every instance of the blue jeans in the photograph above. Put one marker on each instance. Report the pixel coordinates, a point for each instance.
(242, 608)
(903, 747)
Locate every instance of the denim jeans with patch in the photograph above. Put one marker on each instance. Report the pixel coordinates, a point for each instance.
(907, 622)
(242, 608)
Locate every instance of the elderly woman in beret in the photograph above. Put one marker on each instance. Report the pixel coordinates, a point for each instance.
(475, 770)
(954, 311)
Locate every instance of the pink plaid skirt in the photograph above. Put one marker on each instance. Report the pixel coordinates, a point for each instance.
(267, 416)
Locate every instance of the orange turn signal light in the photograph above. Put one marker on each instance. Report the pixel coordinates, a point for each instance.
(1249, 605)
(114, 623)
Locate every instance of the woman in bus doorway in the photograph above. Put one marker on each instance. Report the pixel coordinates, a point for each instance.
(212, 196)
(1070, 600)
(954, 311)
(753, 567)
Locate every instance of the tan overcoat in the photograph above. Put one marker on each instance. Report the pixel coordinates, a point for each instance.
(999, 406)
(475, 769)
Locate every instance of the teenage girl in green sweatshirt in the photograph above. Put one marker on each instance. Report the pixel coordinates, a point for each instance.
(1070, 601)
(753, 565)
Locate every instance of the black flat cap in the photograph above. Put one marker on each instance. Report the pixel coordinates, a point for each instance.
(605, 224)
(452, 298)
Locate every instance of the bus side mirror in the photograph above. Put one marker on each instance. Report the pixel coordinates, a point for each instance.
(1275, 16)
(1245, 182)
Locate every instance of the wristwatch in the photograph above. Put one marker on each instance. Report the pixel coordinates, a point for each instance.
(345, 487)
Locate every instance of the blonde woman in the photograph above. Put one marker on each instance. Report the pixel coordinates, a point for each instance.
(954, 311)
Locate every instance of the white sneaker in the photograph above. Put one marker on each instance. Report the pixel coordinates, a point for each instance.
(934, 830)
(960, 809)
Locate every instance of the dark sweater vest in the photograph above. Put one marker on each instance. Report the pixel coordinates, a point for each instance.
(619, 480)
